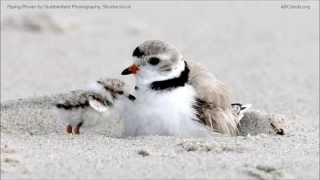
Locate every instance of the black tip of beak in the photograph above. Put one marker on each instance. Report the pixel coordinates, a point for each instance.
(126, 72)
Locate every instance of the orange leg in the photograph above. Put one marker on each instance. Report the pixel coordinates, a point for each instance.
(68, 129)
(76, 130)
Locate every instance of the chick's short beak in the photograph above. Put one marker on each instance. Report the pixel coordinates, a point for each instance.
(130, 70)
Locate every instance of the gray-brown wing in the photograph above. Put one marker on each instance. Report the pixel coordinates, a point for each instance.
(214, 104)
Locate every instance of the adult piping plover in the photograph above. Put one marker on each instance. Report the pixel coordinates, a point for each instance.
(175, 96)
(88, 105)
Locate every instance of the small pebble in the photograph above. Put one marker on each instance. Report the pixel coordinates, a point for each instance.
(143, 153)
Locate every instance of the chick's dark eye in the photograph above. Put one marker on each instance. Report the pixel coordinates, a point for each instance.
(154, 61)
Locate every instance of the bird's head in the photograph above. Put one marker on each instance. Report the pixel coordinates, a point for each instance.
(155, 60)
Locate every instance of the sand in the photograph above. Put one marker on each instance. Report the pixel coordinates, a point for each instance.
(268, 56)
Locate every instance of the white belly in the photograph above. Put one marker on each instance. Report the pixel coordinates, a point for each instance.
(167, 112)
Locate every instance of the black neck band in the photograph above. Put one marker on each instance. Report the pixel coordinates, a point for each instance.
(179, 81)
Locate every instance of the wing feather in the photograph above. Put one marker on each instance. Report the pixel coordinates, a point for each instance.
(214, 109)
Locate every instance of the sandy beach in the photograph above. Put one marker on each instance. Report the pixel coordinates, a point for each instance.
(267, 55)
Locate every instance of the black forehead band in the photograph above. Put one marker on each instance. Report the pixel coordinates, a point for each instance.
(137, 52)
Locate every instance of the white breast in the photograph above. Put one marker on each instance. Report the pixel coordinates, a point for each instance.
(166, 112)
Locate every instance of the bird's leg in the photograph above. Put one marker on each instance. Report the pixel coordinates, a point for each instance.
(68, 129)
(76, 130)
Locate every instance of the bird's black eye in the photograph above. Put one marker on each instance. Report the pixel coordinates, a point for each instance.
(154, 61)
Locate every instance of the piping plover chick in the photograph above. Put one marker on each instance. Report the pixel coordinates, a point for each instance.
(89, 105)
(239, 109)
(175, 96)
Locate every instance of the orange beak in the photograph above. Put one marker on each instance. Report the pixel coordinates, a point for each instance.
(130, 70)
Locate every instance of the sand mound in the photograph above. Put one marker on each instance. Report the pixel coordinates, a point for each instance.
(34, 145)
(39, 116)
(36, 116)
